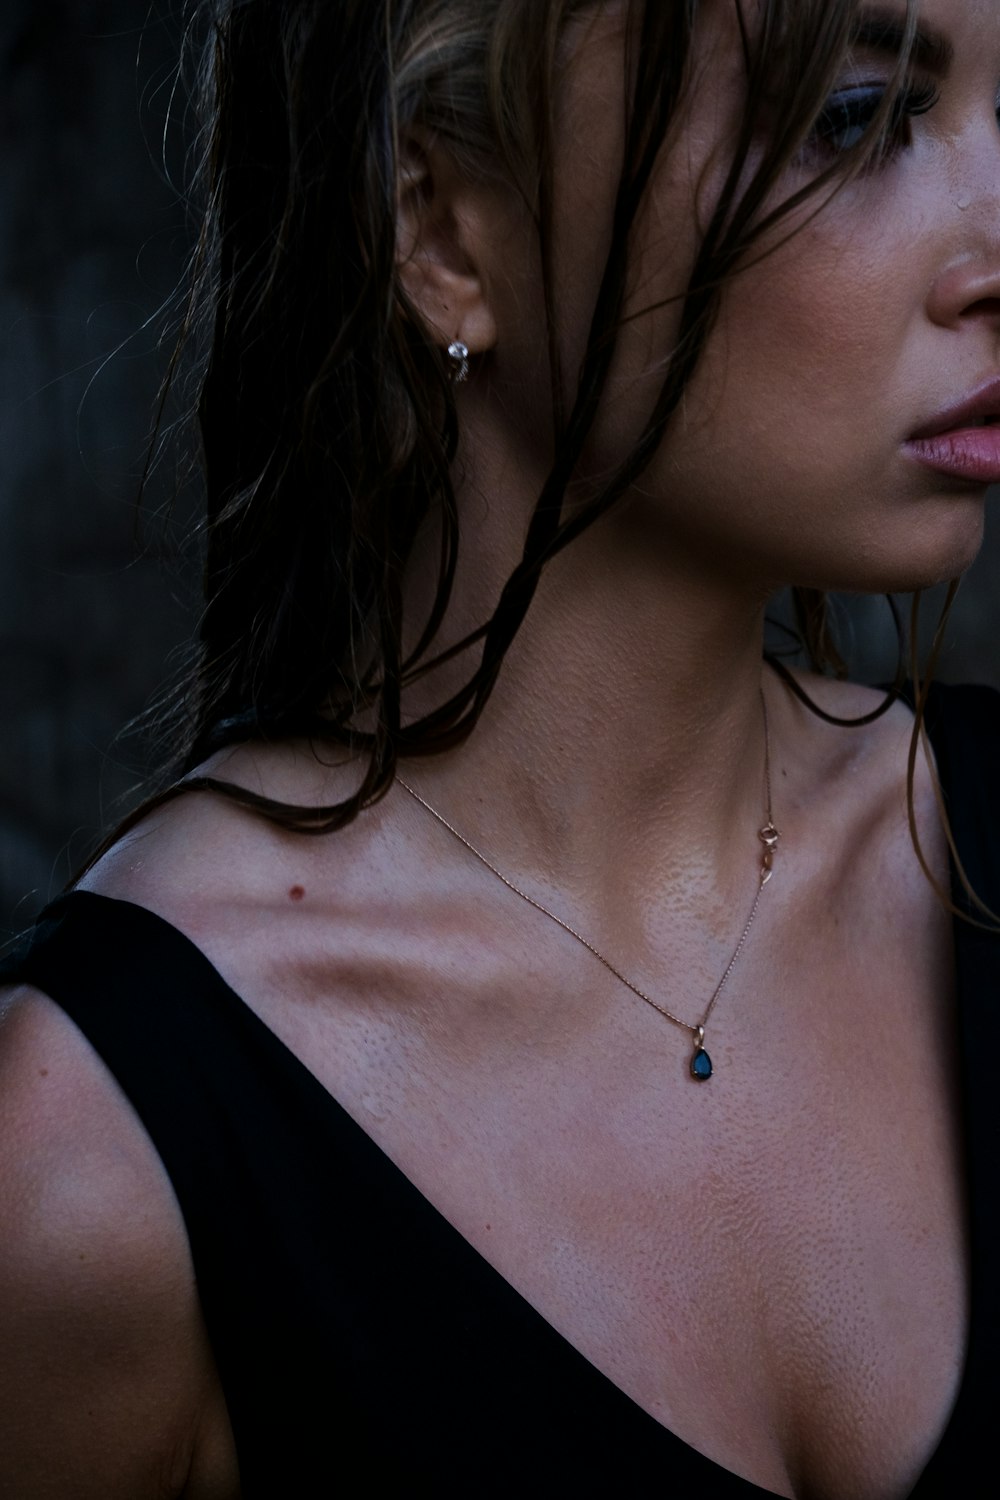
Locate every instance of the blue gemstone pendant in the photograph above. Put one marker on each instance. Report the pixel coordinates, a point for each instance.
(701, 1066)
(701, 1063)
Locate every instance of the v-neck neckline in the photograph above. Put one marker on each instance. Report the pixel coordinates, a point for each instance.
(459, 1246)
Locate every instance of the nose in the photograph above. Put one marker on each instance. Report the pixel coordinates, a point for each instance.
(968, 289)
(967, 285)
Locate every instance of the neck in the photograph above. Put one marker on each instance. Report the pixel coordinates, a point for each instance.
(624, 738)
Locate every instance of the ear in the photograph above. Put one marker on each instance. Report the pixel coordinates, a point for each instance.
(441, 242)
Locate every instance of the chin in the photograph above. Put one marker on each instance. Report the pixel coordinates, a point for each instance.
(935, 550)
(941, 564)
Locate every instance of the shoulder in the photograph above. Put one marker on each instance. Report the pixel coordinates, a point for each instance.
(849, 776)
(253, 896)
(968, 710)
(857, 744)
(103, 1367)
(877, 785)
(200, 851)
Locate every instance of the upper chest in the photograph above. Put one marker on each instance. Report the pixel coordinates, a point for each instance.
(772, 1264)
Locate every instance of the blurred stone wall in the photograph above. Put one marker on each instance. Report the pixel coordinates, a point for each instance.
(91, 242)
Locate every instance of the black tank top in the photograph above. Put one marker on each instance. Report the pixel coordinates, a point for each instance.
(365, 1348)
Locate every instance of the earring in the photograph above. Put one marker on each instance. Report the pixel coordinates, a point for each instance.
(458, 353)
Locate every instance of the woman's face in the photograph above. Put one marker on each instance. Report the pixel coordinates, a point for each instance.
(791, 458)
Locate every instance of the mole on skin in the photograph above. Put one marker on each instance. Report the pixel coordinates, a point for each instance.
(297, 893)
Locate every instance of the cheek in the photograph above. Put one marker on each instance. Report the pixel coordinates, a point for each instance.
(795, 403)
(784, 459)
(809, 344)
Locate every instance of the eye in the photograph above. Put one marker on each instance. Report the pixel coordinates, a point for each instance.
(848, 116)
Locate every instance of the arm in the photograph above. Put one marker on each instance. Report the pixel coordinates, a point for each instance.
(105, 1373)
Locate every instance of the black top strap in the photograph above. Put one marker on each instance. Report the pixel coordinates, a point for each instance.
(361, 1341)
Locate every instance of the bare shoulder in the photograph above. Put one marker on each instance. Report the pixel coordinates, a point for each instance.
(882, 742)
(104, 1371)
(853, 784)
(202, 854)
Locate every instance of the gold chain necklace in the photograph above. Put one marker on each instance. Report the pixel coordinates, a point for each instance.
(701, 1063)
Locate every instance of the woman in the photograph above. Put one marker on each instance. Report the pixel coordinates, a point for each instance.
(614, 1145)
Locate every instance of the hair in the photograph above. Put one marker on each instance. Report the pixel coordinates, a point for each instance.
(328, 427)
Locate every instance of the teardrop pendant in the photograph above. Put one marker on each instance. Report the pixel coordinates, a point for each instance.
(701, 1063)
(701, 1066)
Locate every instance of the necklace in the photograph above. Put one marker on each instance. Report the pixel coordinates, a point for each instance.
(701, 1063)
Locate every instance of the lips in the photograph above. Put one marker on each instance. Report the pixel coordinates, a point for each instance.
(963, 441)
(974, 412)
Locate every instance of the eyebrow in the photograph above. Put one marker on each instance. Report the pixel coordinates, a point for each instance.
(885, 31)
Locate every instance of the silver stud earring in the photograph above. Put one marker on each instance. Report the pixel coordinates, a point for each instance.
(458, 353)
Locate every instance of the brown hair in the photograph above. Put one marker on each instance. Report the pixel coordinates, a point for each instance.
(328, 427)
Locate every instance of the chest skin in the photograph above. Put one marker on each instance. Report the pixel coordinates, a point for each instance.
(771, 1264)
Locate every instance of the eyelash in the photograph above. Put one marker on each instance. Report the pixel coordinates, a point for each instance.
(851, 112)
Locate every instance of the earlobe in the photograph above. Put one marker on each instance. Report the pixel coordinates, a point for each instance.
(438, 246)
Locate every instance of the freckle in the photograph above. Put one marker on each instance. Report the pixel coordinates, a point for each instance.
(43, 1072)
(297, 893)
(489, 1226)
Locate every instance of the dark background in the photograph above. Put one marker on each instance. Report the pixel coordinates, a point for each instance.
(93, 238)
